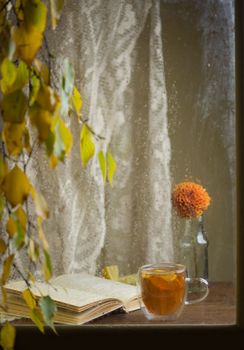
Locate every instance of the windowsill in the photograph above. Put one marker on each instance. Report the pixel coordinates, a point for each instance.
(217, 309)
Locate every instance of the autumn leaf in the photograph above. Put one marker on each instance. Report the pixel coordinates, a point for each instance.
(34, 89)
(13, 137)
(7, 336)
(63, 139)
(87, 147)
(3, 246)
(111, 167)
(40, 204)
(13, 78)
(7, 265)
(27, 42)
(42, 71)
(16, 186)
(77, 100)
(9, 73)
(48, 99)
(14, 106)
(29, 298)
(17, 223)
(56, 10)
(35, 14)
(37, 318)
(42, 119)
(102, 163)
(47, 266)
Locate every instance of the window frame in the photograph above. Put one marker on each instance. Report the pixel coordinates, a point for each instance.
(29, 336)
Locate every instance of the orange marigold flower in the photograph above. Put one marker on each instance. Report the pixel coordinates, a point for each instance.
(190, 199)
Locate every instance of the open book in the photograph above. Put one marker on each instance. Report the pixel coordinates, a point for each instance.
(79, 298)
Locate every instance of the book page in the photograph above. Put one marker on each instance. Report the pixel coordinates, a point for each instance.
(101, 286)
(73, 299)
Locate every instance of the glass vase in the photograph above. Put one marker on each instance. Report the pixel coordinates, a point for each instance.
(194, 248)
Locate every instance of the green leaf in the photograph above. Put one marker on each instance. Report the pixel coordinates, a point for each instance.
(29, 298)
(7, 265)
(48, 309)
(7, 336)
(87, 147)
(14, 106)
(67, 85)
(37, 318)
(111, 167)
(56, 10)
(103, 165)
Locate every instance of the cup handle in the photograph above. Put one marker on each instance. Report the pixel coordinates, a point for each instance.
(197, 290)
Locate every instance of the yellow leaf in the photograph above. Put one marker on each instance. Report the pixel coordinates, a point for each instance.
(7, 265)
(3, 246)
(63, 139)
(14, 107)
(42, 70)
(47, 266)
(77, 101)
(29, 298)
(40, 205)
(42, 234)
(27, 42)
(111, 272)
(14, 78)
(87, 147)
(33, 251)
(9, 73)
(42, 119)
(26, 140)
(48, 99)
(7, 336)
(37, 318)
(111, 167)
(35, 14)
(34, 89)
(18, 217)
(16, 186)
(3, 168)
(19, 7)
(103, 165)
(56, 10)
(11, 227)
(13, 136)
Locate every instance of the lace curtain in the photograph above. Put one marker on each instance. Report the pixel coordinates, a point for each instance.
(92, 224)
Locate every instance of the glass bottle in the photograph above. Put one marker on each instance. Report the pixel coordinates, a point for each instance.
(194, 248)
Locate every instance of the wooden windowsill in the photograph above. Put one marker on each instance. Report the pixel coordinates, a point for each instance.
(217, 309)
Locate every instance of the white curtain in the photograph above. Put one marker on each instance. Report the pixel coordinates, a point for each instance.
(116, 49)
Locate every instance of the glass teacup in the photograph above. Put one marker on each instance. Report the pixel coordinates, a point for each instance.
(164, 290)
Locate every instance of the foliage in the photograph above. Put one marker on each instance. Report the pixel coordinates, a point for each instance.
(33, 114)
